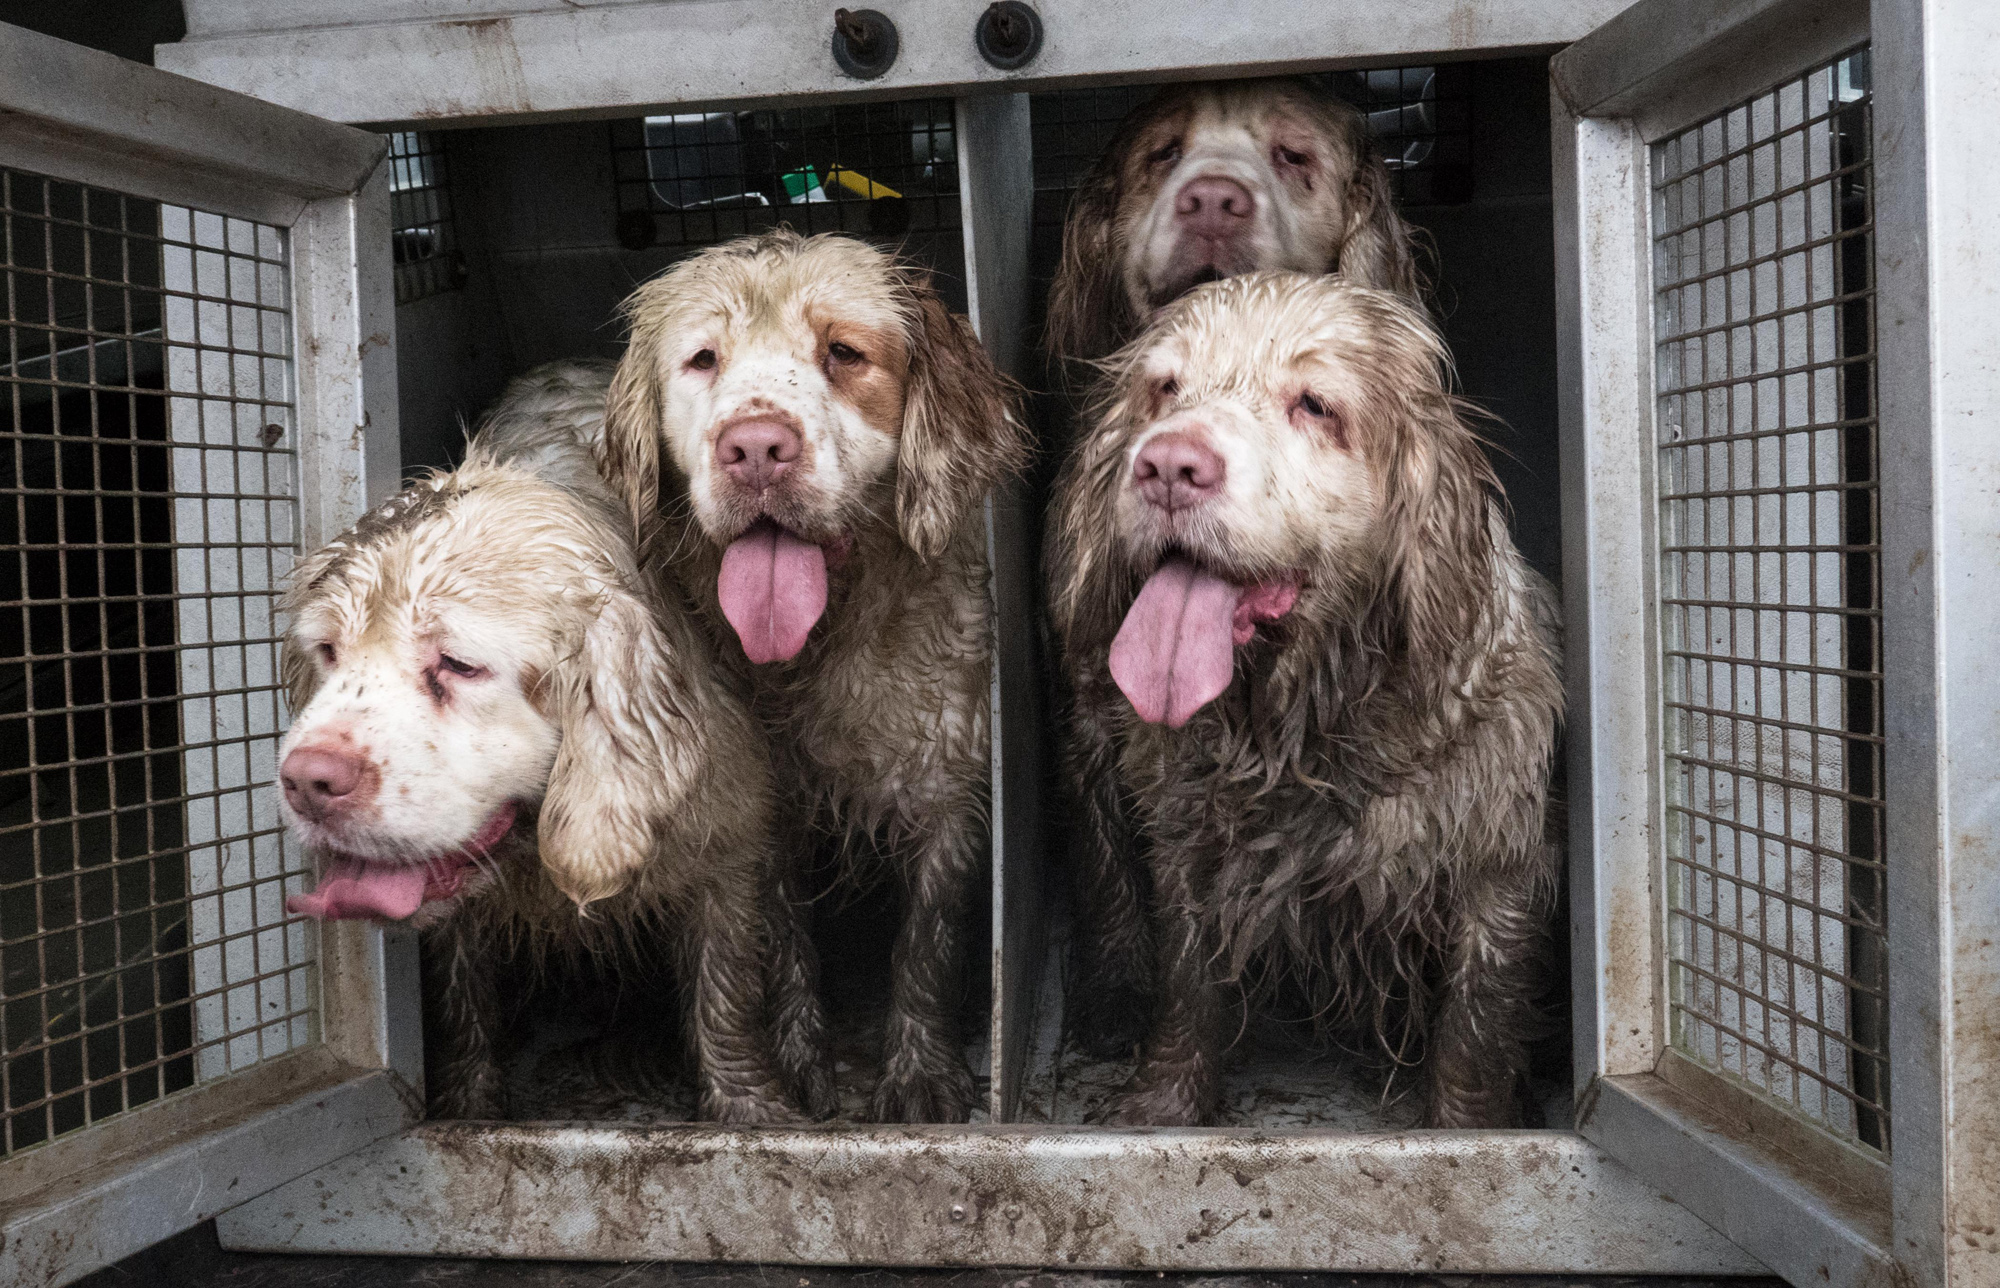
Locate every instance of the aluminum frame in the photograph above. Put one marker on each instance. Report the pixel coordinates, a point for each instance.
(75, 115)
(534, 60)
(1813, 1209)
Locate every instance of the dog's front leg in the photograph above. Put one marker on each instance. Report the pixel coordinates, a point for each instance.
(462, 1019)
(1110, 993)
(726, 942)
(799, 1036)
(1477, 1049)
(924, 1077)
(1179, 1079)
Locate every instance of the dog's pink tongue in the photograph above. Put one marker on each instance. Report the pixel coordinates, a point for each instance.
(1176, 650)
(773, 588)
(350, 888)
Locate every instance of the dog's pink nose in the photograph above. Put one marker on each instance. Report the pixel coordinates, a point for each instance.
(1178, 471)
(756, 452)
(1214, 206)
(320, 781)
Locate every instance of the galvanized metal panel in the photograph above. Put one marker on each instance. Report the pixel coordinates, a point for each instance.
(64, 92)
(349, 458)
(174, 1170)
(1668, 63)
(1937, 129)
(1605, 348)
(1645, 74)
(996, 191)
(1804, 1229)
(514, 62)
(149, 1171)
(1004, 1196)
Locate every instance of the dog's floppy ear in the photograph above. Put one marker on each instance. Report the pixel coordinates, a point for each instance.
(1375, 249)
(1086, 306)
(619, 775)
(1440, 502)
(628, 454)
(962, 431)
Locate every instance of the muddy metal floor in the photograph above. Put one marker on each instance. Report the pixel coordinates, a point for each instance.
(194, 1260)
(582, 1064)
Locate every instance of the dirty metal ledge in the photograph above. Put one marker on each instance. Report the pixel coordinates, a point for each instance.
(1527, 1201)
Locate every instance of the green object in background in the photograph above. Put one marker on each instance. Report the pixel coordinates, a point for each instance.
(799, 183)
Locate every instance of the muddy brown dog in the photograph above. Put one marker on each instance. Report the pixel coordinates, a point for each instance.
(1207, 181)
(1315, 695)
(504, 732)
(808, 435)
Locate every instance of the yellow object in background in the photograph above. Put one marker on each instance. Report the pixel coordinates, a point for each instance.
(854, 181)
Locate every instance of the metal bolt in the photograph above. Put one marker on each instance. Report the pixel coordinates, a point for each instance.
(1013, 1211)
(864, 42)
(1009, 34)
(958, 1211)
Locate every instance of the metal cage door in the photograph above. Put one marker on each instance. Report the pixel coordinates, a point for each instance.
(197, 366)
(1769, 615)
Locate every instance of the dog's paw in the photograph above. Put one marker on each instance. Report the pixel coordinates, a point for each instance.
(762, 1108)
(467, 1093)
(1108, 1023)
(814, 1087)
(1167, 1103)
(1470, 1113)
(924, 1095)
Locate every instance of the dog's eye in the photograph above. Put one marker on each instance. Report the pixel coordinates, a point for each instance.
(1168, 388)
(326, 653)
(842, 355)
(1166, 155)
(703, 361)
(446, 662)
(1291, 156)
(1309, 410)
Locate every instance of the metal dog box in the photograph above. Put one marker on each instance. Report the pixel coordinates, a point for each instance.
(1767, 394)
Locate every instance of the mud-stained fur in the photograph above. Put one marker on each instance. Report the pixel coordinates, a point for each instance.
(645, 835)
(879, 724)
(1362, 809)
(1321, 191)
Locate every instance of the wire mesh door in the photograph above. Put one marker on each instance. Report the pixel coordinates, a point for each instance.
(196, 376)
(1770, 605)
(149, 467)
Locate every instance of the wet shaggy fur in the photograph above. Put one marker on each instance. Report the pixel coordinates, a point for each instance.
(1321, 191)
(879, 726)
(645, 838)
(1361, 812)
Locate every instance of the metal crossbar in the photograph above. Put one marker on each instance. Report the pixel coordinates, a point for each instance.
(147, 465)
(1770, 597)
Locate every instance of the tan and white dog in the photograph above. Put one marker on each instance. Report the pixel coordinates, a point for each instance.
(504, 731)
(1207, 181)
(807, 435)
(1315, 698)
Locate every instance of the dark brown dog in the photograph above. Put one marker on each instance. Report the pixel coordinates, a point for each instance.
(1315, 695)
(821, 433)
(1211, 180)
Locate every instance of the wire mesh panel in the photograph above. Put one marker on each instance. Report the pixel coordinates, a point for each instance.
(887, 170)
(146, 466)
(421, 220)
(1770, 607)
